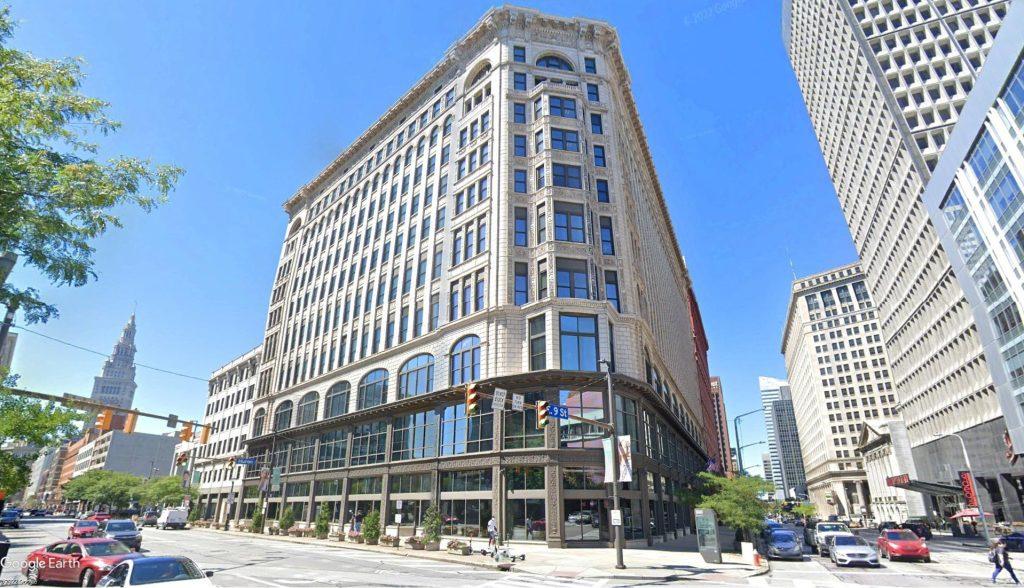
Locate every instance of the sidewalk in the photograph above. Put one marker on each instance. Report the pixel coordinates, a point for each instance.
(676, 560)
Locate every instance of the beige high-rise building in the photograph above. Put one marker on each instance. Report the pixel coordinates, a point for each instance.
(501, 225)
(885, 83)
(839, 377)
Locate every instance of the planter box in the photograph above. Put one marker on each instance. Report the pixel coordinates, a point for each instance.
(369, 541)
(432, 546)
(416, 546)
(461, 551)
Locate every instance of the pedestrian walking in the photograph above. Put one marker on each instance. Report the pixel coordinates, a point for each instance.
(492, 532)
(1001, 558)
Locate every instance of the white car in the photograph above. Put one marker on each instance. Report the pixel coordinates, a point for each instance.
(847, 549)
(822, 531)
(172, 518)
(145, 571)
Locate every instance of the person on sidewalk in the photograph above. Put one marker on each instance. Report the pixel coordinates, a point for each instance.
(1001, 558)
(492, 532)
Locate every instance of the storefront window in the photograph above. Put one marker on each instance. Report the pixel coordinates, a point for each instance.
(466, 518)
(466, 481)
(525, 478)
(526, 519)
(632, 519)
(357, 511)
(412, 511)
(585, 520)
(587, 478)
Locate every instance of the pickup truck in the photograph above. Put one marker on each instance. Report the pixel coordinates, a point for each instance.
(824, 530)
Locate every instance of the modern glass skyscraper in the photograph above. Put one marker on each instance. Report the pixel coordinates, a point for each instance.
(786, 468)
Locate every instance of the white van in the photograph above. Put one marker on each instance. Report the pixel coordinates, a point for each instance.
(172, 518)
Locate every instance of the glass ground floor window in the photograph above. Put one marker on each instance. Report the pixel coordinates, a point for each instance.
(412, 511)
(526, 519)
(632, 519)
(299, 510)
(357, 511)
(332, 506)
(586, 519)
(467, 518)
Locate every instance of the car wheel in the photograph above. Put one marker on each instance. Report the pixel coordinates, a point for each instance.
(88, 578)
(928, 559)
(32, 579)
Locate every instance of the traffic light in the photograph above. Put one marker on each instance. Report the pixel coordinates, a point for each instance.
(542, 414)
(104, 420)
(129, 422)
(231, 462)
(472, 400)
(204, 437)
(182, 459)
(186, 432)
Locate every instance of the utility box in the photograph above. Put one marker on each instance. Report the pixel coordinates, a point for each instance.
(707, 535)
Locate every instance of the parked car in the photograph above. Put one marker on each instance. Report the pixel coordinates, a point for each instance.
(172, 518)
(180, 571)
(79, 561)
(903, 544)
(822, 531)
(124, 531)
(847, 549)
(809, 532)
(99, 517)
(149, 518)
(920, 528)
(82, 529)
(784, 544)
(10, 518)
(885, 525)
(1014, 541)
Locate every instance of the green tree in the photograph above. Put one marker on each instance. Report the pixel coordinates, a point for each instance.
(371, 526)
(257, 519)
(166, 491)
(105, 488)
(432, 524)
(737, 501)
(287, 518)
(323, 520)
(55, 196)
(805, 510)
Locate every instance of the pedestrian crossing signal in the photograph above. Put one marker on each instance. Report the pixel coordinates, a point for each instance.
(542, 414)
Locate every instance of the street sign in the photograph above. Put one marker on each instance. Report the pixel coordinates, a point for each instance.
(231, 499)
(398, 518)
(557, 411)
(186, 479)
(517, 402)
(172, 421)
(499, 398)
(398, 504)
(246, 461)
(275, 479)
(616, 518)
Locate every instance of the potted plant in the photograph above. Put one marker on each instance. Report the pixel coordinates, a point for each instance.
(355, 536)
(415, 542)
(323, 521)
(371, 527)
(295, 531)
(287, 521)
(256, 526)
(432, 528)
(389, 541)
(457, 547)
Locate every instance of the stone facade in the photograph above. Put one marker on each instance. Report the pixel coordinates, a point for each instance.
(116, 385)
(501, 224)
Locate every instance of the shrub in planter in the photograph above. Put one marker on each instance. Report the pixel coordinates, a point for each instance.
(371, 527)
(287, 519)
(256, 526)
(432, 528)
(323, 521)
(416, 543)
(295, 531)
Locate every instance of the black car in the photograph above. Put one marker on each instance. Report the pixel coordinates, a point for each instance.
(886, 525)
(123, 530)
(921, 529)
(1014, 541)
(784, 544)
(10, 518)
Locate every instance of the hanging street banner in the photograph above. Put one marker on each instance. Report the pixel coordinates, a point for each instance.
(625, 459)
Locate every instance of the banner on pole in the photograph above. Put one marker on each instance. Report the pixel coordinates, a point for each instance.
(625, 459)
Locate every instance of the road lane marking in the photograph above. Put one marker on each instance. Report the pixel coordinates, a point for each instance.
(256, 580)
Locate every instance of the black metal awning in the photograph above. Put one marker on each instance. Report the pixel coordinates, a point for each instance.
(933, 488)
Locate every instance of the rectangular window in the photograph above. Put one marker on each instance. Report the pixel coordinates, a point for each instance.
(566, 176)
(596, 124)
(592, 93)
(599, 156)
(569, 223)
(519, 54)
(519, 81)
(521, 227)
(519, 112)
(590, 65)
(602, 191)
(542, 279)
(564, 107)
(578, 342)
(540, 176)
(607, 237)
(538, 141)
(522, 284)
(519, 181)
(519, 145)
(571, 278)
(611, 288)
(453, 307)
(542, 224)
(435, 311)
(565, 140)
(538, 343)
(538, 109)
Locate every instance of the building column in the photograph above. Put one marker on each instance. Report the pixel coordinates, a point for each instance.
(645, 506)
(553, 505)
(386, 516)
(344, 505)
(1011, 499)
(862, 499)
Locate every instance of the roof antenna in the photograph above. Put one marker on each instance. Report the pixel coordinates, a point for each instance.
(792, 267)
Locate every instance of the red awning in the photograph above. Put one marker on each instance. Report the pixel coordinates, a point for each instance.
(969, 513)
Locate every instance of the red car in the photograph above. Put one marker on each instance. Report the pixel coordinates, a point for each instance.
(82, 529)
(99, 517)
(80, 561)
(903, 544)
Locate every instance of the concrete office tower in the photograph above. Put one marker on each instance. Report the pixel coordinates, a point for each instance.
(787, 467)
(232, 390)
(721, 429)
(502, 224)
(766, 468)
(884, 84)
(138, 454)
(839, 376)
(116, 385)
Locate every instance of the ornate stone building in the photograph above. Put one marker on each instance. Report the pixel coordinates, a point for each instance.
(116, 385)
(501, 224)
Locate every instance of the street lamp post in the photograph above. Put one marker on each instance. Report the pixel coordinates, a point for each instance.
(619, 565)
(736, 430)
(974, 481)
(743, 471)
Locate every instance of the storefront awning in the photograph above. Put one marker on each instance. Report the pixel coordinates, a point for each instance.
(933, 488)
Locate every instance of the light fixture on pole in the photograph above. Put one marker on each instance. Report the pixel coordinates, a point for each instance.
(974, 482)
(736, 431)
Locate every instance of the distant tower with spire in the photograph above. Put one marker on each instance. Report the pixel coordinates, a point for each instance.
(116, 385)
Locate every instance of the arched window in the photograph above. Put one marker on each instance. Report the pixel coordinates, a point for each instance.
(283, 416)
(554, 62)
(434, 134)
(373, 390)
(416, 376)
(258, 422)
(336, 401)
(465, 360)
(421, 146)
(481, 74)
(307, 408)
(408, 156)
(448, 125)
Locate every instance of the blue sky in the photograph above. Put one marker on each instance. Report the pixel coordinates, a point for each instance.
(253, 100)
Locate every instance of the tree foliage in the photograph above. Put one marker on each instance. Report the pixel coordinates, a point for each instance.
(287, 520)
(323, 519)
(371, 526)
(105, 488)
(55, 195)
(432, 523)
(166, 491)
(736, 501)
(805, 510)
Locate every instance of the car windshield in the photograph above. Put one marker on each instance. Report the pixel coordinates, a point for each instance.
(832, 527)
(164, 570)
(783, 537)
(87, 524)
(844, 540)
(901, 535)
(121, 526)
(10, 513)
(106, 548)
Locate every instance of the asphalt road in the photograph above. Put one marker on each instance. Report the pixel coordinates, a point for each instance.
(237, 560)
